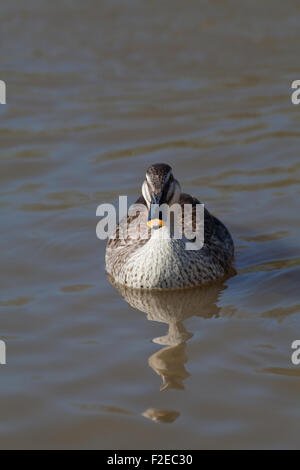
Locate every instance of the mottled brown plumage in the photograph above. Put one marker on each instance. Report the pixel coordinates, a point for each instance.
(140, 259)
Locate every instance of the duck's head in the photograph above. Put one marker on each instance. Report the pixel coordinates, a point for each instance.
(160, 187)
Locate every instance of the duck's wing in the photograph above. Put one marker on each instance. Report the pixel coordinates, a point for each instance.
(191, 225)
(215, 232)
(133, 229)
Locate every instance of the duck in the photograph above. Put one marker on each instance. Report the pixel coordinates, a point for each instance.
(147, 255)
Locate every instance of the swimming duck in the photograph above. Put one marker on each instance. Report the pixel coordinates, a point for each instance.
(148, 256)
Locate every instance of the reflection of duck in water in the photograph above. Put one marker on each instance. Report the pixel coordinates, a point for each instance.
(173, 307)
(148, 256)
(161, 416)
(169, 364)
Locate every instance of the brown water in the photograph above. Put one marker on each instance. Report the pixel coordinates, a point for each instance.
(96, 91)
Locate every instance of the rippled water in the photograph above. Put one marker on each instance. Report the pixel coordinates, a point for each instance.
(96, 91)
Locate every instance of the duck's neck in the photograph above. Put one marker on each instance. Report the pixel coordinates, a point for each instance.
(162, 240)
(158, 263)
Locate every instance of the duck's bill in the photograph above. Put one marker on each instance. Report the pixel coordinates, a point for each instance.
(155, 223)
(155, 214)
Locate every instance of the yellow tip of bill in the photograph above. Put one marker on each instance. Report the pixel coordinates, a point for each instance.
(155, 223)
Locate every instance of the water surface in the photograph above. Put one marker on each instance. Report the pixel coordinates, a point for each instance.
(96, 92)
